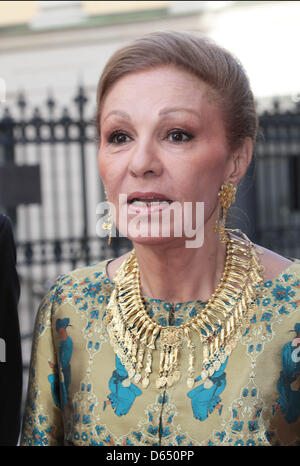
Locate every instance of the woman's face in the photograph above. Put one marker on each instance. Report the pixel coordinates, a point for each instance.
(161, 136)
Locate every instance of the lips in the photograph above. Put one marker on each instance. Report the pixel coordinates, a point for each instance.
(147, 198)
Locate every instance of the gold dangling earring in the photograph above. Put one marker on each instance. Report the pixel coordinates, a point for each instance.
(227, 198)
(108, 225)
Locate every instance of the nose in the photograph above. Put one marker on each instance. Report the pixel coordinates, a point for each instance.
(144, 160)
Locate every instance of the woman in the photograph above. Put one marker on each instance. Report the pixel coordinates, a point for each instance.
(169, 344)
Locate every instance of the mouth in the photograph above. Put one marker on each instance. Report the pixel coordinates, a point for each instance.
(149, 202)
(146, 203)
(150, 199)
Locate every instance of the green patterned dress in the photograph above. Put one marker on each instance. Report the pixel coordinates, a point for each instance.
(79, 393)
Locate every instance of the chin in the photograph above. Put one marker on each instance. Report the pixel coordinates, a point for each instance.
(157, 241)
(149, 240)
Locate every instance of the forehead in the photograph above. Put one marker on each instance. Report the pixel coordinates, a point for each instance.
(156, 88)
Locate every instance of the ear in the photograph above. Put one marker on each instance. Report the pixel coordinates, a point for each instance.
(239, 162)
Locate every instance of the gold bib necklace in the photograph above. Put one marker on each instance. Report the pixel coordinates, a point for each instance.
(133, 334)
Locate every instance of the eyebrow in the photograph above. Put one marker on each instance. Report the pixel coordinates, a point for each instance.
(178, 109)
(162, 112)
(119, 113)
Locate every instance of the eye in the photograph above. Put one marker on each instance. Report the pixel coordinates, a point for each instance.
(178, 136)
(118, 137)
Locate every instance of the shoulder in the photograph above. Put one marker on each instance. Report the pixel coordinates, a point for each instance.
(114, 265)
(78, 286)
(7, 246)
(92, 276)
(86, 272)
(274, 264)
(4, 221)
(280, 292)
(5, 227)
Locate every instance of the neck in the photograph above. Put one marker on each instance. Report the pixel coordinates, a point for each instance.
(174, 273)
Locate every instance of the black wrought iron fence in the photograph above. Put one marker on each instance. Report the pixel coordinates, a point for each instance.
(277, 180)
(50, 187)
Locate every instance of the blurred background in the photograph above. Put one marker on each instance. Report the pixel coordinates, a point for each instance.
(51, 57)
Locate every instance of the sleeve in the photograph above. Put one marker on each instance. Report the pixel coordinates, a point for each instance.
(43, 416)
(11, 357)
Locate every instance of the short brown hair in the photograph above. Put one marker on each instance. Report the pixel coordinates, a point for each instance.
(203, 58)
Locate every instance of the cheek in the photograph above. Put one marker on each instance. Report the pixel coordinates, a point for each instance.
(101, 165)
(107, 171)
(112, 173)
(200, 178)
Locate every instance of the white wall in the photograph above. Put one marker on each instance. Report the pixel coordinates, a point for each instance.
(265, 36)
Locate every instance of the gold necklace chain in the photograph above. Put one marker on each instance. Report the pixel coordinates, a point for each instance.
(133, 334)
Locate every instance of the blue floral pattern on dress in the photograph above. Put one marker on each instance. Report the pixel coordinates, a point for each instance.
(283, 293)
(205, 398)
(122, 394)
(60, 386)
(289, 400)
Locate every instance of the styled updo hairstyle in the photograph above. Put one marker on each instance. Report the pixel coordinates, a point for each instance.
(203, 58)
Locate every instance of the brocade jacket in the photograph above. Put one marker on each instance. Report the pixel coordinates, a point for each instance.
(79, 392)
